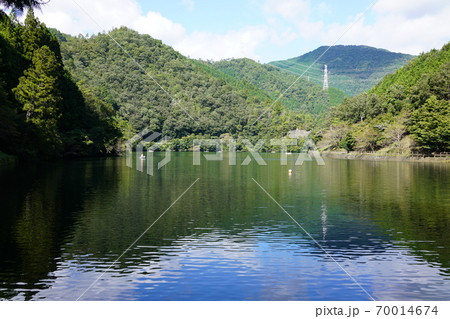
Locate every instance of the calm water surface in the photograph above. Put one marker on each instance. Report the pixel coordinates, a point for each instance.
(63, 224)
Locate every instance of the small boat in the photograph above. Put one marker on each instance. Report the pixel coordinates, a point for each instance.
(288, 153)
(142, 157)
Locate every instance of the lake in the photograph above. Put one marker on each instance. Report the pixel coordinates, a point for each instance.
(366, 229)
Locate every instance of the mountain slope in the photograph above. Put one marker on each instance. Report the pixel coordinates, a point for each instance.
(352, 69)
(409, 109)
(408, 76)
(189, 97)
(43, 112)
(299, 94)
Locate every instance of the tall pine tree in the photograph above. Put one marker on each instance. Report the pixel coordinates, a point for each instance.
(39, 93)
(35, 34)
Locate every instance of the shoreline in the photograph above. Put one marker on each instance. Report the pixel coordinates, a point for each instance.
(6, 159)
(393, 158)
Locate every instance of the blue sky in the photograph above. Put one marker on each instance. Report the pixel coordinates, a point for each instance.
(220, 16)
(264, 30)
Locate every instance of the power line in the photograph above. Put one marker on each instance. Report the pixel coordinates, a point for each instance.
(299, 66)
(307, 77)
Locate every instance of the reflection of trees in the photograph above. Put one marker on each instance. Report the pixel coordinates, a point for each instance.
(39, 203)
(409, 198)
(89, 212)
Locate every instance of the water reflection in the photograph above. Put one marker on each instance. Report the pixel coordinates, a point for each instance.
(66, 222)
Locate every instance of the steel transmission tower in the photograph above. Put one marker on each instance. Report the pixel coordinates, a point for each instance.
(325, 78)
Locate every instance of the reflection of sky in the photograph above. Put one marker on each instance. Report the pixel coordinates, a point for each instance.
(257, 264)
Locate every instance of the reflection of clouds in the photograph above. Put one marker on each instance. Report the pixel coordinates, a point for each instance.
(262, 263)
(399, 275)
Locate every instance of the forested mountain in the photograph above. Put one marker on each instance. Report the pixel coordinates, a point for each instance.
(190, 97)
(302, 94)
(43, 113)
(64, 95)
(352, 68)
(408, 110)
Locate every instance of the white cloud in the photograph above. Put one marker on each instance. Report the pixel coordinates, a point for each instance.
(236, 44)
(401, 26)
(108, 14)
(323, 9)
(295, 13)
(159, 27)
(410, 26)
(410, 8)
(288, 9)
(189, 4)
(70, 18)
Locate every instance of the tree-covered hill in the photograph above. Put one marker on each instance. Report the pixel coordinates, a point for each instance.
(352, 68)
(408, 110)
(303, 95)
(408, 76)
(152, 86)
(64, 95)
(43, 112)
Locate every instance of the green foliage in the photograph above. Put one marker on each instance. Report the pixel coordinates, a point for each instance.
(58, 35)
(8, 126)
(191, 97)
(410, 75)
(336, 96)
(352, 69)
(348, 142)
(358, 108)
(367, 137)
(393, 130)
(43, 112)
(40, 96)
(336, 137)
(35, 35)
(430, 125)
(302, 95)
(38, 91)
(411, 103)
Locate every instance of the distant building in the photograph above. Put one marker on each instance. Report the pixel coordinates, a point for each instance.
(298, 133)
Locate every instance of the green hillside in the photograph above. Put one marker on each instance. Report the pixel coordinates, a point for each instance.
(189, 97)
(351, 68)
(408, 110)
(62, 95)
(303, 95)
(43, 112)
(408, 76)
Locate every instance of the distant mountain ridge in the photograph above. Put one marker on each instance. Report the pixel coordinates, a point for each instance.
(408, 111)
(352, 68)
